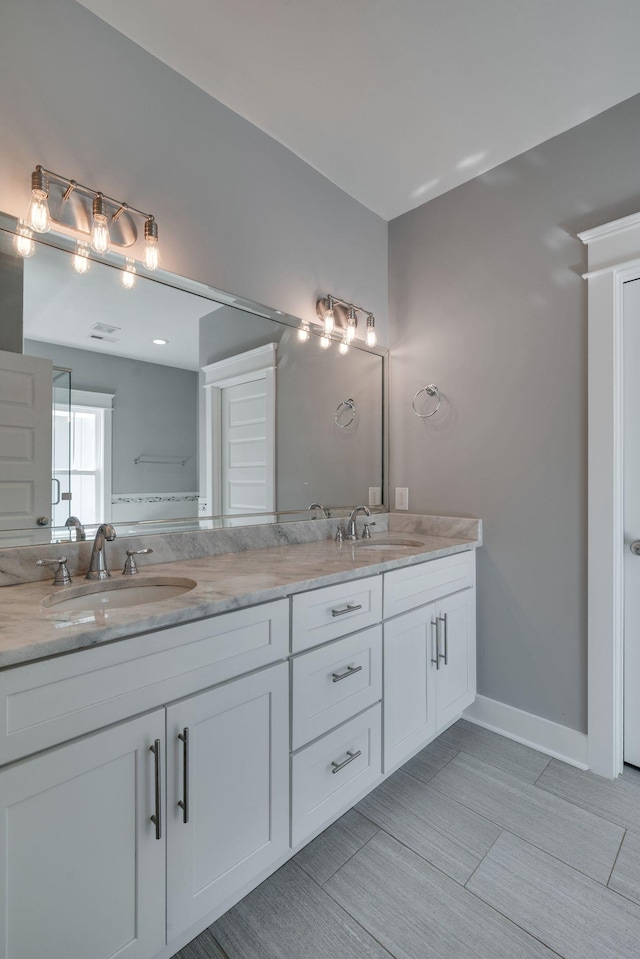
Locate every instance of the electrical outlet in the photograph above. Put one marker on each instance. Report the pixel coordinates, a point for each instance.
(375, 496)
(402, 497)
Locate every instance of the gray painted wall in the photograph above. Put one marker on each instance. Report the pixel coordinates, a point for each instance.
(155, 411)
(11, 284)
(487, 301)
(235, 208)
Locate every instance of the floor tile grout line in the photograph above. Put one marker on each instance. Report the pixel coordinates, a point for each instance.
(590, 809)
(522, 838)
(502, 768)
(483, 859)
(321, 884)
(624, 834)
(535, 781)
(426, 782)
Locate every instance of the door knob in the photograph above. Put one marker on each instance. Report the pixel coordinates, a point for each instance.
(42, 520)
(635, 547)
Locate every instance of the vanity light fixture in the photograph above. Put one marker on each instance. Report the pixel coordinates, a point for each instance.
(333, 306)
(128, 276)
(325, 341)
(82, 209)
(344, 346)
(81, 261)
(23, 241)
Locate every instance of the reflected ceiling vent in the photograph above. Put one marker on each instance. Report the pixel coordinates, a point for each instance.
(103, 338)
(100, 330)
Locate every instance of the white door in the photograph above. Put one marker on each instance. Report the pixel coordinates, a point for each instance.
(247, 472)
(409, 684)
(456, 678)
(228, 764)
(81, 870)
(25, 441)
(631, 400)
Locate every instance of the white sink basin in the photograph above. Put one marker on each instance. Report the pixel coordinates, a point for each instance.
(388, 544)
(118, 593)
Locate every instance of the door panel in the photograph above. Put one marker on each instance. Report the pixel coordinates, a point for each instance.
(631, 401)
(456, 679)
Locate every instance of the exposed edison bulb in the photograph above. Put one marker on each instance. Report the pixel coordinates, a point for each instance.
(344, 346)
(372, 339)
(100, 239)
(129, 276)
(352, 322)
(23, 241)
(303, 333)
(329, 320)
(38, 217)
(325, 341)
(151, 248)
(81, 261)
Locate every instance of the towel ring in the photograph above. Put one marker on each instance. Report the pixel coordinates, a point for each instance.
(431, 390)
(345, 405)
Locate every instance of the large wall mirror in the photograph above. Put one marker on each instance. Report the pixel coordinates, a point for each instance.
(169, 405)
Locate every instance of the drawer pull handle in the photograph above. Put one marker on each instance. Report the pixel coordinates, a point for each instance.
(350, 671)
(436, 661)
(345, 762)
(184, 802)
(156, 818)
(349, 608)
(445, 655)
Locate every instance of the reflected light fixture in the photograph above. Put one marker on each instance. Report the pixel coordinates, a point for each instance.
(81, 261)
(128, 276)
(348, 320)
(23, 241)
(325, 341)
(160, 342)
(101, 220)
(303, 332)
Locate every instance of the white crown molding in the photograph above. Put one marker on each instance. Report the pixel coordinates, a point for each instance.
(252, 361)
(625, 223)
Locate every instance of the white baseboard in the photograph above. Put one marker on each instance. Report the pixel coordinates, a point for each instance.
(555, 740)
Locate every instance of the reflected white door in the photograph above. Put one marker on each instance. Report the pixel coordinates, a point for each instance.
(247, 448)
(25, 441)
(631, 399)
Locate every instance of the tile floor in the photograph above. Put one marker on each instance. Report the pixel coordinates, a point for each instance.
(478, 848)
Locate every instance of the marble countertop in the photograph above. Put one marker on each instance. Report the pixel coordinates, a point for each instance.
(29, 631)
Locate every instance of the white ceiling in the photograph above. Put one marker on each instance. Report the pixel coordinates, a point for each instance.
(397, 101)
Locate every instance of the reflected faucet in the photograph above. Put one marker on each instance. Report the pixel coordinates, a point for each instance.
(74, 522)
(98, 565)
(352, 532)
(325, 512)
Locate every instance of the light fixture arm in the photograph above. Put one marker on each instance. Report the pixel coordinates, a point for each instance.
(72, 185)
(323, 304)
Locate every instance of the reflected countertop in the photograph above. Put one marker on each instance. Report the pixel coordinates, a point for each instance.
(29, 631)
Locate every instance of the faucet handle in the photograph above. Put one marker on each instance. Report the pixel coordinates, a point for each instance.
(366, 530)
(340, 534)
(62, 576)
(130, 566)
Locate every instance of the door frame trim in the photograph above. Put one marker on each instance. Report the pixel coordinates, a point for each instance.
(614, 259)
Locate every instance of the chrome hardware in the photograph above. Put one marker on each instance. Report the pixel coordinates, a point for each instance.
(340, 534)
(436, 661)
(54, 502)
(62, 577)
(42, 521)
(445, 655)
(325, 512)
(98, 564)
(349, 407)
(74, 522)
(349, 608)
(130, 566)
(431, 390)
(352, 532)
(635, 547)
(345, 762)
(366, 530)
(156, 819)
(351, 671)
(184, 802)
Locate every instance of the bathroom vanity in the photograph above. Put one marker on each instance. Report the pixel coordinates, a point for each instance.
(158, 763)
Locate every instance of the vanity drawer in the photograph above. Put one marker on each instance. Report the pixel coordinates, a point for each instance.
(324, 614)
(55, 700)
(415, 586)
(325, 777)
(335, 682)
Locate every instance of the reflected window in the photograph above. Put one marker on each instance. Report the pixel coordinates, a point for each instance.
(82, 459)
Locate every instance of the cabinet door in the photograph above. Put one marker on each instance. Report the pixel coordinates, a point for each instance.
(409, 684)
(236, 788)
(81, 871)
(456, 678)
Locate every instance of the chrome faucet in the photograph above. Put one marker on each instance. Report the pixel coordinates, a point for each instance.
(352, 532)
(325, 512)
(74, 522)
(98, 565)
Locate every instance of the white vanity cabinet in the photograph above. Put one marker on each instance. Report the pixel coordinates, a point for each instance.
(227, 791)
(429, 653)
(81, 869)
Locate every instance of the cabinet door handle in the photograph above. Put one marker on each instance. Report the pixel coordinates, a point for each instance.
(445, 655)
(349, 608)
(345, 762)
(156, 819)
(184, 802)
(436, 636)
(350, 671)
